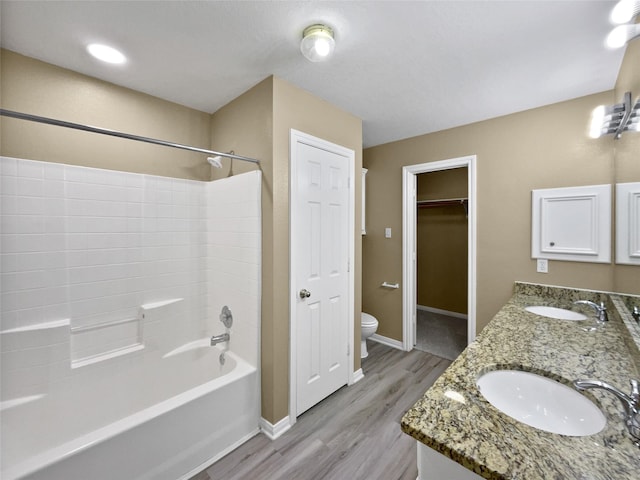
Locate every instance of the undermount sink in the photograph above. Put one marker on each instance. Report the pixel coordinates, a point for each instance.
(541, 402)
(557, 313)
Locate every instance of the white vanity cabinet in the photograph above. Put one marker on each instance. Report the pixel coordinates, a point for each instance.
(435, 466)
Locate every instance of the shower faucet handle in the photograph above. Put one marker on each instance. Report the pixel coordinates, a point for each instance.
(226, 317)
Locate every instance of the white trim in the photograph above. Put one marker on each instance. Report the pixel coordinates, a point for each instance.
(442, 312)
(389, 342)
(272, 431)
(296, 136)
(357, 376)
(364, 201)
(409, 275)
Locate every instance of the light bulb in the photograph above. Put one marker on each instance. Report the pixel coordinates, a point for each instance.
(620, 35)
(322, 47)
(597, 117)
(624, 11)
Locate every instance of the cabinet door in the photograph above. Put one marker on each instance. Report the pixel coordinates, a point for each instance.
(628, 223)
(572, 223)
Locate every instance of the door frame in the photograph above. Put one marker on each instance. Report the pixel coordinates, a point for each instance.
(296, 136)
(409, 228)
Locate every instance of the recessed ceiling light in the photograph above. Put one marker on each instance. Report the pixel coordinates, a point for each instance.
(106, 53)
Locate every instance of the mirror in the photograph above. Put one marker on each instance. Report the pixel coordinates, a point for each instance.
(626, 159)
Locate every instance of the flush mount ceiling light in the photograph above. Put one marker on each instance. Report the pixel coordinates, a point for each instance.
(615, 119)
(623, 15)
(106, 53)
(317, 43)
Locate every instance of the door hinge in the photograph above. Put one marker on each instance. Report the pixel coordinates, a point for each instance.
(349, 265)
(348, 349)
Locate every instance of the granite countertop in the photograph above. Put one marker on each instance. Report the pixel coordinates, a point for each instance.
(454, 419)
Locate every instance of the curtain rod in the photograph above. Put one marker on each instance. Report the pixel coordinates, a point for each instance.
(114, 133)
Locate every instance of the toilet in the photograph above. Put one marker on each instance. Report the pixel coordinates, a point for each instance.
(368, 326)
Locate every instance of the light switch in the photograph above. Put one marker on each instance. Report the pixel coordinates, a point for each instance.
(387, 233)
(542, 265)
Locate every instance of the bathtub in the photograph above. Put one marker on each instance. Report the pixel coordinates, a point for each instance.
(192, 411)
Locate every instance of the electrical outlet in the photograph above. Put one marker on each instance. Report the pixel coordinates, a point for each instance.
(387, 233)
(543, 265)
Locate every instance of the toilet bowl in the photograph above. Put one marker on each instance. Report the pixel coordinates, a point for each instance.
(368, 326)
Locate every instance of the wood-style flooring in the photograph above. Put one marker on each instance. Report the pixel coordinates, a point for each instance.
(353, 434)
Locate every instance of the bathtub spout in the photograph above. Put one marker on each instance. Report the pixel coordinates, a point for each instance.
(216, 339)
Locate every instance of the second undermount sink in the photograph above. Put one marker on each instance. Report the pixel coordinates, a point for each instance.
(557, 313)
(541, 402)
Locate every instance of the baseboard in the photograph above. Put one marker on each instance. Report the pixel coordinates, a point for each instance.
(274, 431)
(389, 342)
(442, 312)
(357, 376)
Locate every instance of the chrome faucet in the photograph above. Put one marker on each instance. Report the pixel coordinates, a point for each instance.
(601, 310)
(216, 339)
(631, 403)
(636, 314)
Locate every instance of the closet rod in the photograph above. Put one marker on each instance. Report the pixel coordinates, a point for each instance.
(442, 202)
(114, 133)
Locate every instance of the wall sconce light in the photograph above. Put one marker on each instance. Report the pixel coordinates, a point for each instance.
(622, 15)
(317, 43)
(615, 119)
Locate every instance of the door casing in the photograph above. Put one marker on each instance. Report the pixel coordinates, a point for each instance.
(409, 214)
(296, 136)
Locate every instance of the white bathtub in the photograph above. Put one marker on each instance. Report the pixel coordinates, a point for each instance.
(189, 413)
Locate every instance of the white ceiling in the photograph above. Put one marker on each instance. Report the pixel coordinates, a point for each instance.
(404, 67)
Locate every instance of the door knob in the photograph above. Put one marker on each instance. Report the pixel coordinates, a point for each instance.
(304, 293)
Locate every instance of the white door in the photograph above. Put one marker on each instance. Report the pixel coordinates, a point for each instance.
(320, 195)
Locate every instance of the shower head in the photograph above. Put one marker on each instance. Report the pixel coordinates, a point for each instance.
(215, 161)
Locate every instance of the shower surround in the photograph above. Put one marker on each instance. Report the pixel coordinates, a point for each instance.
(112, 283)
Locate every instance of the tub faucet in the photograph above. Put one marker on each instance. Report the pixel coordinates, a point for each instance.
(216, 339)
(601, 310)
(636, 314)
(631, 402)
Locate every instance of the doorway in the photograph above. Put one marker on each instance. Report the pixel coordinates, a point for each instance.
(441, 264)
(410, 245)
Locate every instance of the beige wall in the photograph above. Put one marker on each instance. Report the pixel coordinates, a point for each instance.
(541, 148)
(441, 242)
(300, 110)
(236, 124)
(32, 86)
(627, 156)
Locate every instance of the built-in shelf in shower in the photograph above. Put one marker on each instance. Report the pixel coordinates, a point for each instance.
(97, 342)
